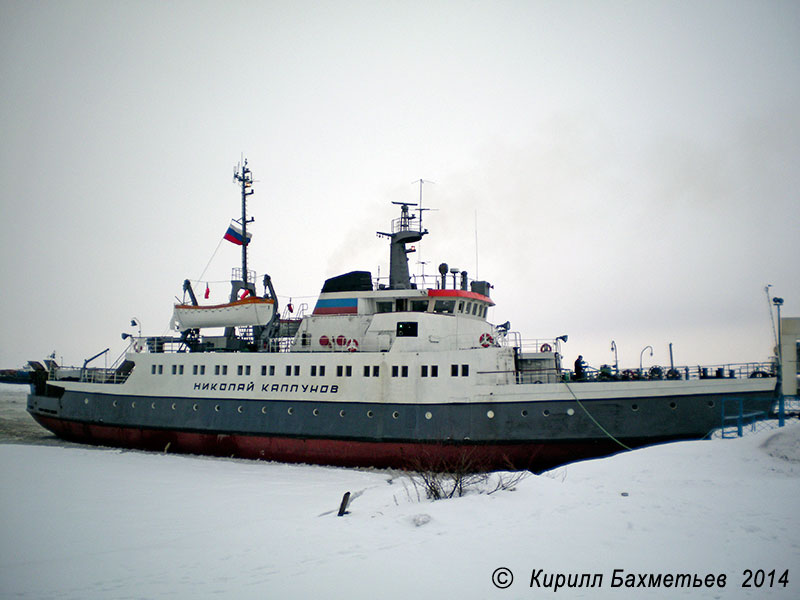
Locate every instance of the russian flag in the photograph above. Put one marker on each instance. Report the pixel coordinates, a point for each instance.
(234, 234)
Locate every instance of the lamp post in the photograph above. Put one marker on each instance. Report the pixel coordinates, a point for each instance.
(136, 323)
(642, 354)
(778, 302)
(616, 358)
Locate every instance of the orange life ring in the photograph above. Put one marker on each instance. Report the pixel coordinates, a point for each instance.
(545, 347)
(486, 340)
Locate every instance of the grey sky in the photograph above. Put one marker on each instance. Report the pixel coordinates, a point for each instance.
(633, 165)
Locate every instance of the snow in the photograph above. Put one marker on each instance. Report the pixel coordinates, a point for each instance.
(103, 523)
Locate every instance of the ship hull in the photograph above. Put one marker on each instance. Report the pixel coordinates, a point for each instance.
(533, 435)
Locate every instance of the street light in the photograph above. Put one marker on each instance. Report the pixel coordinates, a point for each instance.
(642, 353)
(778, 302)
(616, 358)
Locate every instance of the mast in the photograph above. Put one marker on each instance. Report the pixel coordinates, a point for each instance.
(245, 179)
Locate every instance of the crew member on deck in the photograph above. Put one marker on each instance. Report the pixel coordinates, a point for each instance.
(579, 368)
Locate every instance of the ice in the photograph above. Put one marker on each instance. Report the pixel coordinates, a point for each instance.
(103, 523)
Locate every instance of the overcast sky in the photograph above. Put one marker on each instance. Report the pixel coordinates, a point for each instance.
(629, 171)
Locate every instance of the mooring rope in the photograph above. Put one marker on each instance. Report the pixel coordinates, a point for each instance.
(588, 414)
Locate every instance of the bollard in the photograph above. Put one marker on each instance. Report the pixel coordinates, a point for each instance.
(343, 505)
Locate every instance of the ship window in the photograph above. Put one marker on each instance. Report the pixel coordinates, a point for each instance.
(434, 370)
(272, 370)
(453, 370)
(174, 369)
(461, 306)
(216, 369)
(376, 371)
(224, 369)
(419, 305)
(424, 371)
(400, 304)
(339, 370)
(153, 370)
(313, 370)
(465, 370)
(469, 305)
(240, 370)
(160, 369)
(395, 370)
(475, 308)
(322, 370)
(444, 306)
(288, 370)
(407, 329)
(263, 370)
(180, 369)
(384, 307)
(194, 369)
(247, 370)
(305, 339)
(202, 369)
(296, 370)
(348, 371)
(404, 371)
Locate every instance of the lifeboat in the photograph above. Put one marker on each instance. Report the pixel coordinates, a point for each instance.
(249, 311)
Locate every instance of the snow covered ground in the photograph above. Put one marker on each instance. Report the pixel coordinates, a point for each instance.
(101, 523)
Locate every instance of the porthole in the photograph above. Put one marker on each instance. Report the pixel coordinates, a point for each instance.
(290, 411)
(153, 405)
(570, 411)
(315, 412)
(239, 409)
(216, 408)
(673, 406)
(114, 403)
(263, 410)
(490, 414)
(428, 415)
(546, 413)
(524, 413)
(194, 407)
(173, 406)
(370, 414)
(710, 404)
(634, 407)
(395, 415)
(341, 413)
(133, 404)
(86, 401)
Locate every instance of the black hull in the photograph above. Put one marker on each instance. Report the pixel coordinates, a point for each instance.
(479, 436)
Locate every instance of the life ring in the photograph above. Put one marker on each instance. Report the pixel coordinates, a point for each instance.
(324, 341)
(341, 340)
(352, 346)
(486, 340)
(545, 348)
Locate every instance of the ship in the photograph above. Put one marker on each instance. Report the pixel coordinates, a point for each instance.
(401, 372)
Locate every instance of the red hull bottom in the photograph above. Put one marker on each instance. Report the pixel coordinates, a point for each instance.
(535, 456)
